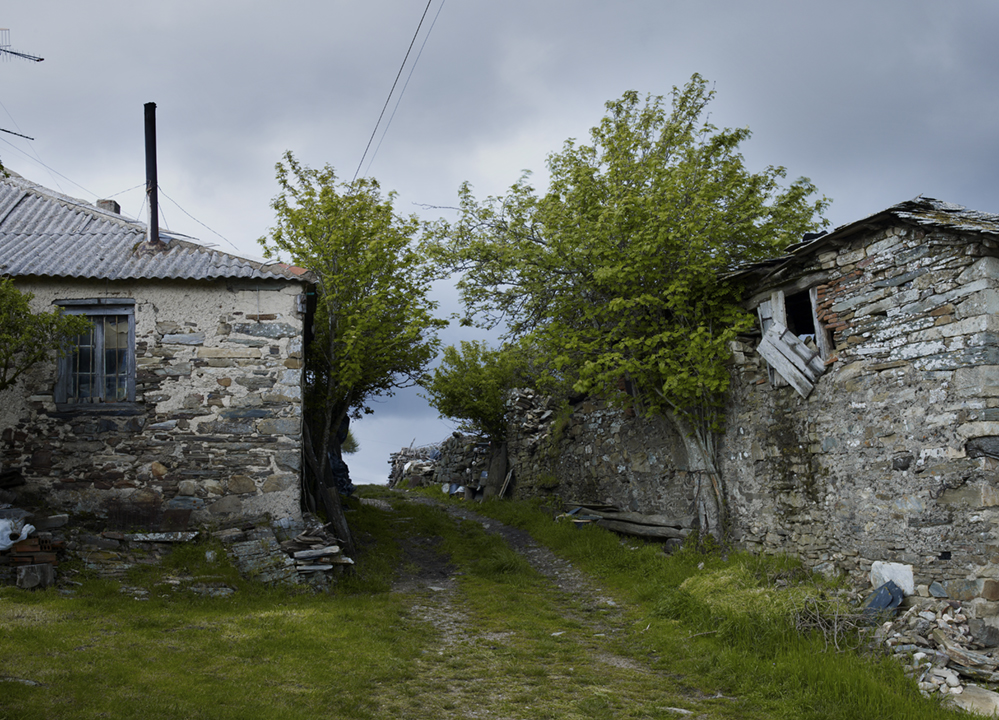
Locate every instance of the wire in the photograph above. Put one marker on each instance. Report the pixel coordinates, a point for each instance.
(389, 98)
(403, 92)
(195, 219)
(122, 192)
(32, 147)
(35, 159)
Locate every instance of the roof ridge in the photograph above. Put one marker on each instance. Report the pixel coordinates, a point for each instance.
(61, 219)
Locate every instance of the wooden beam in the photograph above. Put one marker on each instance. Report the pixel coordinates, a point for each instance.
(652, 531)
(783, 365)
(686, 521)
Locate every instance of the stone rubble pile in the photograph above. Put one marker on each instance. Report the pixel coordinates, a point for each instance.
(413, 467)
(459, 463)
(944, 648)
(949, 646)
(285, 552)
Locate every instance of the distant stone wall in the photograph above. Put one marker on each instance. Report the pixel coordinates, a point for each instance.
(461, 460)
(596, 452)
(215, 429)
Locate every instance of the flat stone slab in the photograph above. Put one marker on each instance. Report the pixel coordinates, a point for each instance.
(30, 577)
(308, 554)
(977, 700)
(901, 575)
(163, 537)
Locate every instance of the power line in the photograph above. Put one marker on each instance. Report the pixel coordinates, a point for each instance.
(406, 85)
(15, 148)
(396, 82)
(196, 219)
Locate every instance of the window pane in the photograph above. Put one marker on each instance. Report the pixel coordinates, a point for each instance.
(115, 361)
(81, 381)
(99, 366)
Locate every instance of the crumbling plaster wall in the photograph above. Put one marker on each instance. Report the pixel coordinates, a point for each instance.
(216, 425)
(887, 458)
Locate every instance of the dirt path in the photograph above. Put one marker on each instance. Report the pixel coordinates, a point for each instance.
(597, 623)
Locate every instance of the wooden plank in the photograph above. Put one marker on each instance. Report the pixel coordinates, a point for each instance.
(778, 309)
(812, 364)
(784, 367)
(651, 531)
(800, 354)
(765, 312)
(686, 521)
(506, 483)
(821, 337)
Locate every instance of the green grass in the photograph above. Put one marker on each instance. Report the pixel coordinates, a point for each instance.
(717, 619)
(693, 631)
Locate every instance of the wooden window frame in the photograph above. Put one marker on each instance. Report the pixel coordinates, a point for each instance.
(95, 309)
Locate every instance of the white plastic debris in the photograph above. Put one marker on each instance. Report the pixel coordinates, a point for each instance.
(10, 533)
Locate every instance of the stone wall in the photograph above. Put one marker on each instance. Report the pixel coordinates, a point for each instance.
(215, 429)
(595, 452)
(892, 457)
(887, 459)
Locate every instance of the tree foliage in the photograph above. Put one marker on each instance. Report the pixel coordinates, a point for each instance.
(27, 337)
(374, 329)
(618, 270)
(470, 384)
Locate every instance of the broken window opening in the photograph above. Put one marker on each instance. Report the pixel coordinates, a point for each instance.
(794, 342)
(799, 315)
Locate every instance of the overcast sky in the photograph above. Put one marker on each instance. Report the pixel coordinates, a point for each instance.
(876, 102)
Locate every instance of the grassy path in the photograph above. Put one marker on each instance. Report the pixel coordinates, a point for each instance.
(534, 639)
(455, 611)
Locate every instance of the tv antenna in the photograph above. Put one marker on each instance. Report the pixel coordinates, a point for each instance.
(6, 52)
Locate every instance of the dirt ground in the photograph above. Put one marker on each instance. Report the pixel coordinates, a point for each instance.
(429, 577)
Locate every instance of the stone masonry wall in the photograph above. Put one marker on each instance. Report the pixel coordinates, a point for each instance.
(888, 458)
(600, 453)
(893, 456)
(216, 426)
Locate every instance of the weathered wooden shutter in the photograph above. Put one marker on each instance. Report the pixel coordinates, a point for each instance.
(791, 359)
(767, 320)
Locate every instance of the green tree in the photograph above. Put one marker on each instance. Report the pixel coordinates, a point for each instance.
(618, 270)
(374, 329)
(350, 445)
(27, 337)
(470, 383)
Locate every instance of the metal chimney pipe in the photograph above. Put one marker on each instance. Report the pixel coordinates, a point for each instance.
(151, 184)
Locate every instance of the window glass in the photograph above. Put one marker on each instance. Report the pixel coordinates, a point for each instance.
(100, 366)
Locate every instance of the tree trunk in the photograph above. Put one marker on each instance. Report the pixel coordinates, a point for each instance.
(709, 496)
(318, 483)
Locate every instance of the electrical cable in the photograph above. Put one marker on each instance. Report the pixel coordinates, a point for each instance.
(32, 147)
(35, 159)
(406, 85)
(196, 219)
(389, 98)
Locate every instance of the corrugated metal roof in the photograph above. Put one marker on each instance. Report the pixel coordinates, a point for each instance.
(45, 233)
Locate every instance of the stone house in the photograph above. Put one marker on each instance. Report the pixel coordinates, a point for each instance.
(863, 416)
(184, 403)
(864, 421)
